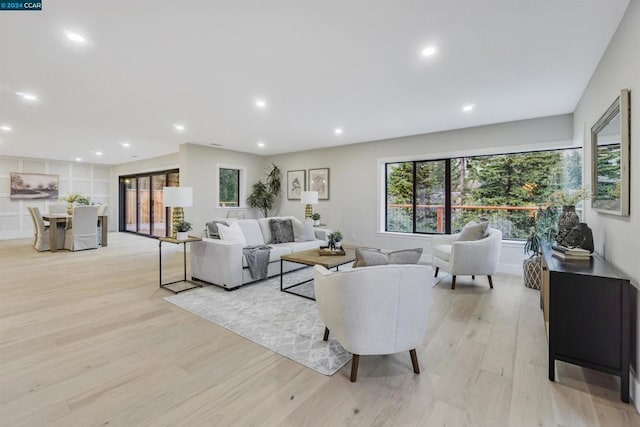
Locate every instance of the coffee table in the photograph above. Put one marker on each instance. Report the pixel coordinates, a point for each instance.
(312, 257)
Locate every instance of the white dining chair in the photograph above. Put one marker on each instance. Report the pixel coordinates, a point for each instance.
(83, 233)
(41, 237)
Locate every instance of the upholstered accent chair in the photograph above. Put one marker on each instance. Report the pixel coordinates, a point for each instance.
(83, 233)
(41, 237)
(467, 258)
(375, 310)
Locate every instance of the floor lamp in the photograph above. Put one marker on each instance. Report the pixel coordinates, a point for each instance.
(177, 198)
(309, 198)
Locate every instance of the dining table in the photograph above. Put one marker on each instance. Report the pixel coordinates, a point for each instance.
(63, 218)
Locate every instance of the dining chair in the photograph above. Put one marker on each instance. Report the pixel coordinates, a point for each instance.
(41, 238)
(83, 233)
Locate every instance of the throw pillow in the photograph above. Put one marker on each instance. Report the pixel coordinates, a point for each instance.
(473, 231)
(212, 228)
(232, 233)
(303, 231)
(367, 257)
(281, 230)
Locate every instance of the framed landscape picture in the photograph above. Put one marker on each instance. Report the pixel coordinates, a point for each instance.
(28, 186)
(319, 181)
(296, 183)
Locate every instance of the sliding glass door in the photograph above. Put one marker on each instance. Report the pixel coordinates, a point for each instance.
(141, 207)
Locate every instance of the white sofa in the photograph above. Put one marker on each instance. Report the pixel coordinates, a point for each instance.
(222, 263)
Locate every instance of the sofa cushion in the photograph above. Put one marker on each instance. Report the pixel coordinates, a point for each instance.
(274, 255)
(473, 231)
(301, 246)
(442, 251)
(281, 230)
(266, 230)
(303, 231)
(367, 257)
(232, 233)
(212, 228)
(251, 231)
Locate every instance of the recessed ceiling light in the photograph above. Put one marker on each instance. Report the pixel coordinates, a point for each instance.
(5, 128)
(27, 96)
(261, 103)
(98, 153)
(468, 107)
(78, 159)
(178, 127)
(125, 144)
(260, 144)
(337, 131)
(429, 51)
(75, 37)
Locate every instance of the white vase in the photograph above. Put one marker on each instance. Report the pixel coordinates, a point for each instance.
(182, 235)
(316, 222)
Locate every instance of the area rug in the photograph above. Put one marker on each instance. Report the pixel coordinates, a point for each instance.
(286, 324)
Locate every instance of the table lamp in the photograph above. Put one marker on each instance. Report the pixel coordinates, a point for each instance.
(177, 198)
(309, 198)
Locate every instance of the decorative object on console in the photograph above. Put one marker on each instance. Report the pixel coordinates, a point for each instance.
(319, 181)
(316, 219)
(611, 160)
(581, 236)
(177, 198)
(296, 184)
(182, 230)
(309, 198)
(265, 194)
(544, 229)
(567, 219)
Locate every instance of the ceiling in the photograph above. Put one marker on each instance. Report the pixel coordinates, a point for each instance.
(356, 65)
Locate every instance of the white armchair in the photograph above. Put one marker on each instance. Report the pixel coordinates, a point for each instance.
(468, 258)
(375, 310)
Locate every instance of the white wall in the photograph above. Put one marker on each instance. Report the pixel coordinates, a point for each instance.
(356, 180)
(198, 169)
(88, 179)
(617, 238)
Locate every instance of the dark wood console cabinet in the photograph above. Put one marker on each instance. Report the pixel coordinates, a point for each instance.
(586, 311)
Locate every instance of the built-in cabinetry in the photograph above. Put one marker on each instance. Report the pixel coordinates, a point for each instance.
(586, 307)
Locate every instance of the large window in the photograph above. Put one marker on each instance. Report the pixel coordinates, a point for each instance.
(229, 180)
(440, 196)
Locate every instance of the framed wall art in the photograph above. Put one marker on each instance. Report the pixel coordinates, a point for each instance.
(319, 181)
(30, 186)
(296, 183)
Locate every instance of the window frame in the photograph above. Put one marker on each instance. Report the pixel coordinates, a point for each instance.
(242, 173)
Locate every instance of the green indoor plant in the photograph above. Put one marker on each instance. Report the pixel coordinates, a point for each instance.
(543, 230)
(334, 239)
(265, 194)
(74, 199)
(182, 229)
(316, 218)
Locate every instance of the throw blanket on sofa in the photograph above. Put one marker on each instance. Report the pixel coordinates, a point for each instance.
(258, 260)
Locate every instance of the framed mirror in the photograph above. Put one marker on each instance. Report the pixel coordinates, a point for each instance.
(610, 162)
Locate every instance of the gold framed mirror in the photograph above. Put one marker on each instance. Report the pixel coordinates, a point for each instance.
(610, 161)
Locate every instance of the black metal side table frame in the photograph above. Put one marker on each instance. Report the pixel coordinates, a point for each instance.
(184, 261)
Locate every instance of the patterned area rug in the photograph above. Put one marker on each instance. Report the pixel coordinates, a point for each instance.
(283, 323)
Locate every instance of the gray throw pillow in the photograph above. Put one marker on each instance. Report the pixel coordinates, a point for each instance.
(212, 228)
(367, 257)
(281, 230)
(473, 231)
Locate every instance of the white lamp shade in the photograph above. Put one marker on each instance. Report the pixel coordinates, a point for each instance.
(309, 197)
(181, 197)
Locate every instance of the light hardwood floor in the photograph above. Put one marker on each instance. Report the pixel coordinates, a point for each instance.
(86, 339)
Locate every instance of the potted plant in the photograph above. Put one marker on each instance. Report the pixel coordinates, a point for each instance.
(544, 229)
(182, 229)
(334, 240)
(316, 219)
(74, 199)
(264, 194)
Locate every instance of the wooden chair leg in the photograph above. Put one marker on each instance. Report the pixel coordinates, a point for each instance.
(490, 282)
(326, 334)
(436, 273)
(453, 282)
(354, 367)
(473, 277)
(414, 361)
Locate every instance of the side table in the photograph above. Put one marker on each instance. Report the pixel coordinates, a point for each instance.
(184, 260)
